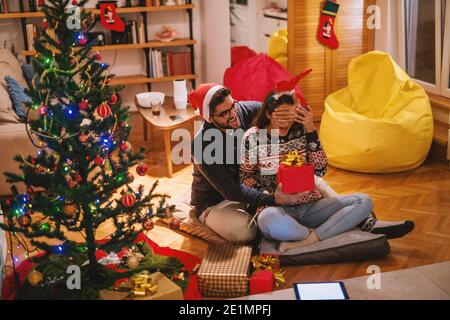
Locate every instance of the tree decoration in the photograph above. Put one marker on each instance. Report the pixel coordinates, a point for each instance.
(83, 105)
(42, 110)
(113, 99)
(128, 200)
(142, 169)
(44, 24)
(103, 110)
(174, 224)
(130, 178)
(99, 161)
(71, 210)
(35, 278)
(133, 262)
(24, 220)
(148, 224)
(79, 167)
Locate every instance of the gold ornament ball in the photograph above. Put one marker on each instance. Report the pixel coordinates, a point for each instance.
(70, 210)
(133, 262)
(35, 277)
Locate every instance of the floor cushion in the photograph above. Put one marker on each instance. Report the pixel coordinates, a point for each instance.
(381, 123)
(189, 222)
(355, 245)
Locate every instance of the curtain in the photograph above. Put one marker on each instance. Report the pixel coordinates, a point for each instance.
(411, 15)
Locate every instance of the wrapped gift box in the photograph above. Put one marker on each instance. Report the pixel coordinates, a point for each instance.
(296, 179)
(167, 290)
(224, 271)
(261, 282)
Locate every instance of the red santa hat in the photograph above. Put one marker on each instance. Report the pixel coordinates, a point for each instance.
(201, 97)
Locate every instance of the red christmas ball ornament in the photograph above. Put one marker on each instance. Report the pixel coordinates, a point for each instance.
(130, 178)
(113, 99)
(103, 110)
(128, 200)
(83, 105)
(83, 138)
(142, 169)
(74, 2)
(42, 110)
(41, 3)
(71, 184)
(82, 41)
(175, 277)
(30, 190)
(45, 24)
(99, 161)
(148, 224)
(24, 221)
(98, 56)
(174, 224)
(124, 146)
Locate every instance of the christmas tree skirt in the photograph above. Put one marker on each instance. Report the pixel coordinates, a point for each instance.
(189, 261)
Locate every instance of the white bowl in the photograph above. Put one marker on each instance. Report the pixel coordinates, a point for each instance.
(146, 99)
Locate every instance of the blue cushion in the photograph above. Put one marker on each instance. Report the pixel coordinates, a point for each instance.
(28, 73)
(18, 97)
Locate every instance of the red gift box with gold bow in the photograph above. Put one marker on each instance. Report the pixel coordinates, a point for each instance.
(295, 175)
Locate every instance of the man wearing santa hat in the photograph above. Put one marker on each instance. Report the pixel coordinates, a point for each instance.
(221, 202)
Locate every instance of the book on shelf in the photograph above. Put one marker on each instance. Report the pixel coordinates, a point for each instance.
(158, 3)
(31, 31)
(141, 32)
(133, 34)
(169, 63)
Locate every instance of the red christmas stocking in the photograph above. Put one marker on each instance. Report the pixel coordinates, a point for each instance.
(109, 18)
(326, 34)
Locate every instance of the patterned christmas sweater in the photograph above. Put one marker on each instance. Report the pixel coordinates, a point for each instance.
(260, 158)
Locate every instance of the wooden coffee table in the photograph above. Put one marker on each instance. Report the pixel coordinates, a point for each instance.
(166, 124)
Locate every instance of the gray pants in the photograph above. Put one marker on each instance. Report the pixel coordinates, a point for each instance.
(329, 217)
(229, 219)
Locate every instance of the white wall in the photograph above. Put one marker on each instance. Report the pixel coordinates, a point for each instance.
(215, 39)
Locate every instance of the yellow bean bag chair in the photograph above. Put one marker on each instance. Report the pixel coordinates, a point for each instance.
(278, 47)
(382, 122)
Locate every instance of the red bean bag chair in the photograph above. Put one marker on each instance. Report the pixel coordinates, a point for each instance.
(252, 76)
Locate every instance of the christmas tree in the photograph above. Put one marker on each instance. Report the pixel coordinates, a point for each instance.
(72, 183)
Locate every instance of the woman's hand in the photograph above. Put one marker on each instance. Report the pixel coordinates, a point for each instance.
(305, 117)
(284, 115)
(283, 199)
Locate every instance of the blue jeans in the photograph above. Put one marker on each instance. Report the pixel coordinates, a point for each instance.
(329, 217)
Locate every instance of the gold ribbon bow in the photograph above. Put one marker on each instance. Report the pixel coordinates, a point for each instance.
(294, 159)
(269, 263)
(142, 284)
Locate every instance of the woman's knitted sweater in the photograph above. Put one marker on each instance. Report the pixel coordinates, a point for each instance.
(260, 157)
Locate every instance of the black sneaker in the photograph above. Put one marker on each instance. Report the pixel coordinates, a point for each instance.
(393, 230)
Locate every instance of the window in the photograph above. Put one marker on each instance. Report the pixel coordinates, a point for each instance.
(426, 43)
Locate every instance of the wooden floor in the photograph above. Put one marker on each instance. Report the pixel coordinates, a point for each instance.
(422, 195)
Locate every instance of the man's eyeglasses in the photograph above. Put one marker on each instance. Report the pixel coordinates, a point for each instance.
(227, 113)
